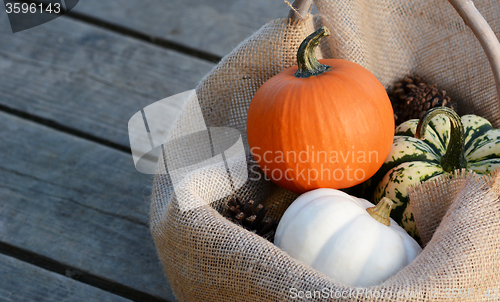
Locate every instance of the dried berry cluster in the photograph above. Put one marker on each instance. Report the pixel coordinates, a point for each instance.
(412, 97)
(252, 216)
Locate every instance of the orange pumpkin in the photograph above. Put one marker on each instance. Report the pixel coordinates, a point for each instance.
(321, 124)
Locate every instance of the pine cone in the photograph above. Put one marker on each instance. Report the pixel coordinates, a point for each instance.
(412, 97)
(252, 216)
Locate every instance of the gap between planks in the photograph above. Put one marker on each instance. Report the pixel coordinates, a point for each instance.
(164, 43)
(76, 274)
(57, 126)
(53, 83)
(62, 226)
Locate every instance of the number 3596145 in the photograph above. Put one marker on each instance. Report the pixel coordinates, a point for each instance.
(32, 8)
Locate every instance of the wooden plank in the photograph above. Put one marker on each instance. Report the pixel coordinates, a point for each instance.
(77, 202)
(25, 282)
(88, 78)
(215, 26)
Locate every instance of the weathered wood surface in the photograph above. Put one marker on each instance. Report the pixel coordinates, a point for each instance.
(214, 26)
(88, 78)
(76, 202)
(79, 203)
(21, 281)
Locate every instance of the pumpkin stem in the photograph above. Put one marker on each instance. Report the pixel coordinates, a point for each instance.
(306, 58)
(454, 158)
(382, 211)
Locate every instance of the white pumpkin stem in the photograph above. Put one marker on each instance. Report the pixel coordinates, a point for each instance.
(382, 211)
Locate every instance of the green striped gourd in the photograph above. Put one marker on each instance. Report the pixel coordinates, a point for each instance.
(450, 143)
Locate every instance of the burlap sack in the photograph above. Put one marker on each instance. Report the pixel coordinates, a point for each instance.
(206, 160)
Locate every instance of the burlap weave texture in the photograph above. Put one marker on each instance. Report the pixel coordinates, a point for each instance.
(207, 258)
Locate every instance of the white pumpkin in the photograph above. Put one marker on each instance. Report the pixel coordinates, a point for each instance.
(335, 234)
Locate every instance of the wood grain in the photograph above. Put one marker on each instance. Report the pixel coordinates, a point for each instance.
(88, 78)
(215, 26)
(79, 203)
(24, 282)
